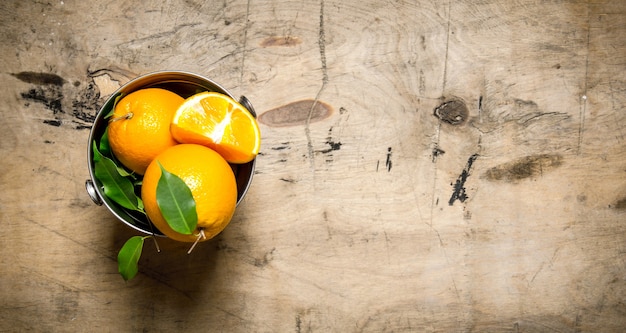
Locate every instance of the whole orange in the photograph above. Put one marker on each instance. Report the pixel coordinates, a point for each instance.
(212, 184)
(140, 126)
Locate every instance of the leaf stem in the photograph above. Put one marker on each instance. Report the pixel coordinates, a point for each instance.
(156, 244)
(200, 235)
(126, 116)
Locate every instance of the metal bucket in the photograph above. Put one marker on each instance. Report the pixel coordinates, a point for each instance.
(184, 84)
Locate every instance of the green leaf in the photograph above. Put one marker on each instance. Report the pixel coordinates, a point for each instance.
(105, 150)
(176, 203)
(112, 110)
(128, 257)
(116, 187)
(104, 147)
(97, 156)
(123, 172)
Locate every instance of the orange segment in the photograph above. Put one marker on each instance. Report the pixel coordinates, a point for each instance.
(217, 121)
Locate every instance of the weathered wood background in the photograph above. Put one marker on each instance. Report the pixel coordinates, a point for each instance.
(426, 166)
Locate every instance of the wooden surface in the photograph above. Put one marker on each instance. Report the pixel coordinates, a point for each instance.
(426, 166)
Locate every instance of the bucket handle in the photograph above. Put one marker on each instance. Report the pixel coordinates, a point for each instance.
(243, 100)
(93, 194)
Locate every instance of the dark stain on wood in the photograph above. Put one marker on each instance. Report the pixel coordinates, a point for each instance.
(525, 104)
(52, 122)
(40, 78)
(86, 103)
(388, 162)
(79, 109)
(453, 112)
(523, 168)
(459, 192)
(265, 260)
(284, 146)
(296, 113)
(436, 152)
(298, 323)
(50, 97)
(620, 204)
(332, 146)
(281, 41)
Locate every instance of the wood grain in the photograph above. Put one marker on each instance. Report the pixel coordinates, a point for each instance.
(448, 166)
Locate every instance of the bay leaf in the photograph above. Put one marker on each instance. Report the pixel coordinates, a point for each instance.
(176, 203)
(104, 146)
(128, 257)
(105, 150)
(110, 106)
(116, 187)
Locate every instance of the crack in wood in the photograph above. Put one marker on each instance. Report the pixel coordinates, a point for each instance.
(445, 59)
(583, 103)
(245, 43)
(322, 49)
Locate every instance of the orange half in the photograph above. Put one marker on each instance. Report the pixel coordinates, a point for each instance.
(217, 121)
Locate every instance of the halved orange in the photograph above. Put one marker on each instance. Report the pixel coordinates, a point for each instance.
(217, 121)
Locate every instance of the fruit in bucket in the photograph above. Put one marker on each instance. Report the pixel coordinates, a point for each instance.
(139, 128)
(217, 121)
(210, 180)
(170, 158)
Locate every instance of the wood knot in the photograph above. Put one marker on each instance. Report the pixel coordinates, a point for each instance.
(296, 113)
(284, 41)
(453, 112)
(525, 167)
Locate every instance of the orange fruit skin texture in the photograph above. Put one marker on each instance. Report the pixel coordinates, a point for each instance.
(136, 141)
(220, 123)
(211, 181)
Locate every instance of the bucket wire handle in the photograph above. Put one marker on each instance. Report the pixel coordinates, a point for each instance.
(243, 100)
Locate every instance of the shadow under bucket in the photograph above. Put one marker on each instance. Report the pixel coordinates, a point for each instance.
(184, 84)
